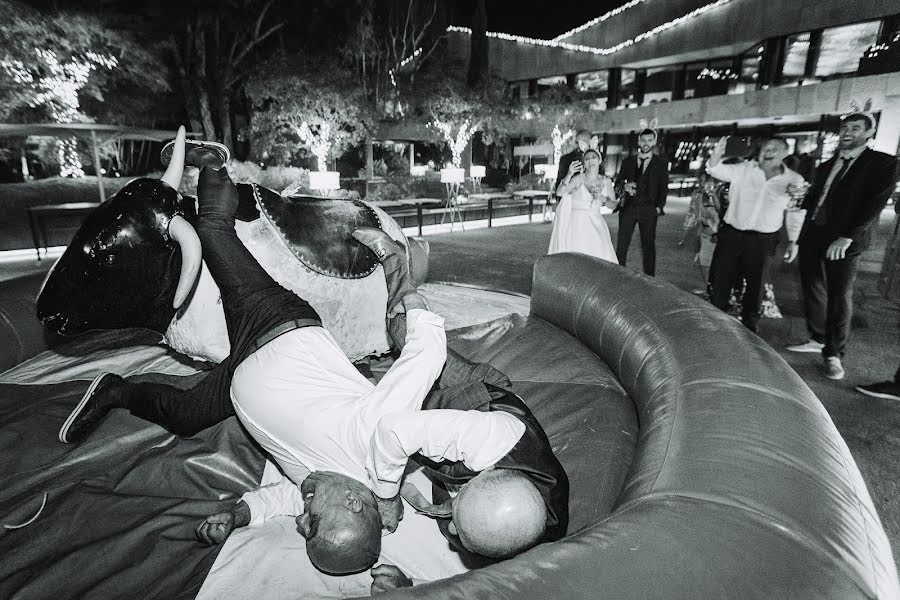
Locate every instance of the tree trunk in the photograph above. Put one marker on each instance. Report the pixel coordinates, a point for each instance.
(201, 80)
(184, 81)
(479, 66)
(225, 119)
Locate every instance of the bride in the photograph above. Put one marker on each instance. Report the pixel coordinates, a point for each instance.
(579, 225)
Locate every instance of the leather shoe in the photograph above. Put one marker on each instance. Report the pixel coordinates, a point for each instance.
(198, 154)
(90, 410)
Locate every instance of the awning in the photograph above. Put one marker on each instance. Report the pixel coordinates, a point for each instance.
(95, 133)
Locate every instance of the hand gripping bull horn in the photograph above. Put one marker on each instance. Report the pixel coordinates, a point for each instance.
(180, 230)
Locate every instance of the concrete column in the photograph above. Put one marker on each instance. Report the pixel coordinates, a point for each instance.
(412, 156)
(370, 160)
(613, 88)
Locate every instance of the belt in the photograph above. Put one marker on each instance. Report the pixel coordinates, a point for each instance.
(281, 330)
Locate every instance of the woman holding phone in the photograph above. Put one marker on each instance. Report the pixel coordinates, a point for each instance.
(579, 225)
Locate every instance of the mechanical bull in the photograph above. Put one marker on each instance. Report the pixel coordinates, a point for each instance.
(136, 262)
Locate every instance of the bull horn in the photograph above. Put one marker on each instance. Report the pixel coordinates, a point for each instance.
(172, 176)
(191, 257)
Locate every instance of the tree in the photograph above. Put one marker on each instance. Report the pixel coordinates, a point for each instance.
(479, 63)
(215, 47)
(306, 100)
(391, 40)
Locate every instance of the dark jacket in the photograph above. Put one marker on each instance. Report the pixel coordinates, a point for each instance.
(853, 203)
(652, 184)
(565, 161)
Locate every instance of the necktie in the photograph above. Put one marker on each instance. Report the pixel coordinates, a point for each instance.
(821, 214)
(640, 170)
(411, 494)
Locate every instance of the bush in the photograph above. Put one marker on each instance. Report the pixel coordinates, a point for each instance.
(395, 188)
(531, 181)
(275, 178)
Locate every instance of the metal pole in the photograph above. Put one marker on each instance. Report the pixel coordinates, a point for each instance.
(97, 165)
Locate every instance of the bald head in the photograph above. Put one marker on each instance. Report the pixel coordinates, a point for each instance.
(340, 522)
(499, 513)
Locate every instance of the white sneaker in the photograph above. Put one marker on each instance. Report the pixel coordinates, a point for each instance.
(810, 346)
(833, 368)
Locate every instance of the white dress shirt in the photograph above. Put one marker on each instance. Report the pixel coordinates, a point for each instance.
(754, 202)
(311, 410)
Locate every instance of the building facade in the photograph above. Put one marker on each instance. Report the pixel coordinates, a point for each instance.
(706, 68)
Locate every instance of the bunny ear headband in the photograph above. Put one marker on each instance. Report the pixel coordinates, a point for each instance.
(865, 111)
(652, 125)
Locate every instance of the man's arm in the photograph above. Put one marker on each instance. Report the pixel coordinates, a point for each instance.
(476, 438)
(411, 377)
(254, 507)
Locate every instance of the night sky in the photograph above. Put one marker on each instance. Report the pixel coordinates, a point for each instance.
(540, 19)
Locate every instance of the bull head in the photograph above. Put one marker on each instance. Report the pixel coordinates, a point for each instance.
(132, 263)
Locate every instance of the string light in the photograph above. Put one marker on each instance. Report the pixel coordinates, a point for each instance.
(599, 19)
(558, 138)
(402, 64)
(456, 142)
(592, 49)
(320, 142)
(708, 73)
(58, 90)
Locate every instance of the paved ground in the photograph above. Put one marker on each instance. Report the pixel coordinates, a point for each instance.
(503, 258)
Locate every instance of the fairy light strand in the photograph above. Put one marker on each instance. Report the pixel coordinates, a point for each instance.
(58, 91)
(592, 49)
(319, 143)
(456, 142)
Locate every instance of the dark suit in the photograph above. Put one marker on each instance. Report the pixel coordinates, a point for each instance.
(850, 210)
(641, 209)
(565, 161)
(532, 454)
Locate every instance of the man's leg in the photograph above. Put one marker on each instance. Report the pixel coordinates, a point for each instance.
(627, 221)
(184, 412)
(755, 260)
(841, 277)
(647, 224)
(723, 268)
(812, 282)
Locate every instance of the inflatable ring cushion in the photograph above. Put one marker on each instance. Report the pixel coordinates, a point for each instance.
(701, 465)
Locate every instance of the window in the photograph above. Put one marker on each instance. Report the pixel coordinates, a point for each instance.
(842, 48)
(796, 49)
(594, 82)
(748, 77)
(690, 84)
(659, 85)
(628, 88)
(552, 81)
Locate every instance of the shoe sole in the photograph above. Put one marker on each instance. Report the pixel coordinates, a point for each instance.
(835, 377)
(77, 411)
(877, 394)
(805, 350)
(165, 156)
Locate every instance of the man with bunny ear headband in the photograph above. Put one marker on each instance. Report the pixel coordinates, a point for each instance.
(644, 179)
(842, 206)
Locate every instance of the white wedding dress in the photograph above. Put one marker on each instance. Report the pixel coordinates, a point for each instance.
(579, 225)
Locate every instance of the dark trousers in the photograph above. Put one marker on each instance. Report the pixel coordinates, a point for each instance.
(827, 294)
(253, 303)
(645, 218)
(741, 253)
